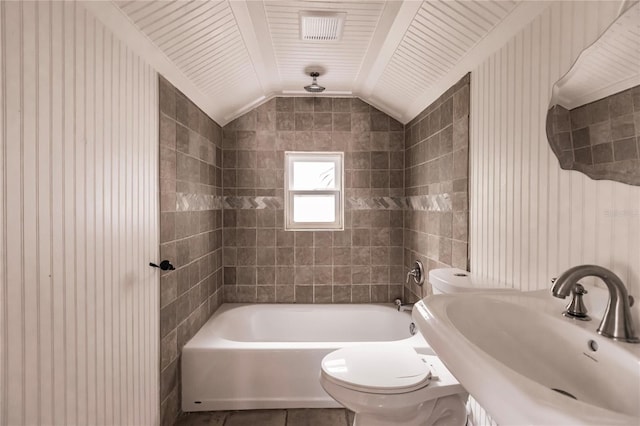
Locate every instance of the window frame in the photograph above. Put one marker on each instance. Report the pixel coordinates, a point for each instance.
(313, 156)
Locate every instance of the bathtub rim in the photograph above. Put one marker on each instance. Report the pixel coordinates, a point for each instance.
(214, 340)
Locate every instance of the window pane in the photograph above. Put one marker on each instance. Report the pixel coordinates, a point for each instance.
(309, 175)
(314, 208)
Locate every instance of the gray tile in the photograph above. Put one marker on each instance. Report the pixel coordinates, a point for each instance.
(167, 319)
(599, 111)
(167, 227)
(602, 153)
(168, 289)
(341, 105)
(168, 379)
(625, 149)
(247, 294)
(361, 294)
(461, 103)
(285, 121)
(168, 349)
(169, 408)
(322, 104)
(598, 133)
(284, 104)
(208, 418)
(182, 109)
(317, 417)
(583, 155)
(304, 294)
(341, 294)
(622, 127)
(580, 117)
(379, 122)
(266, 294)
(322, 294)
(358, 105)
(303, 121)
(620, 104)
(167, 132)
(285, 294)
(303, 104)
(580, 138)
(341, 122)
(257, 417)
(167, 98)
(265, 119)
(360, 122)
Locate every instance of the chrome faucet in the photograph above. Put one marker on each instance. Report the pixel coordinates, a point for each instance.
(403, 306)
(616, 322)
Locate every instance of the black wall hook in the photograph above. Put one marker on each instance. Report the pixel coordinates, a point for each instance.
(165, 265)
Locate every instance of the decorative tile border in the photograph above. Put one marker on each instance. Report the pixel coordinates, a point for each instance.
(431, 203)
(254, 203)
(199, 202)
(376, 203)
(189, 202)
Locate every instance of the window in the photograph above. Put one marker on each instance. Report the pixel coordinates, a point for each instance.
(313, 193)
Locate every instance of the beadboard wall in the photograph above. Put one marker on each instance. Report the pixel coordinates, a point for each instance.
(530, 220)
(79, 304)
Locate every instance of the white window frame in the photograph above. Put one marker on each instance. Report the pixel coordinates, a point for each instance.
(301, 156)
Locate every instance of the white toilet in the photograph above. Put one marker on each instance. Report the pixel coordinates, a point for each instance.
(391, 384)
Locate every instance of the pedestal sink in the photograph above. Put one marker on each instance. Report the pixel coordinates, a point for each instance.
(527, 364)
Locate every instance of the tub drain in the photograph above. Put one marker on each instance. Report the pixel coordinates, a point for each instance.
(564, 393)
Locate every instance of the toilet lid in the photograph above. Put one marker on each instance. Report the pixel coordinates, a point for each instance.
(377, 368)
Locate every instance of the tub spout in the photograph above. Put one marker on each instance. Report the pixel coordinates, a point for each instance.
(402, 307)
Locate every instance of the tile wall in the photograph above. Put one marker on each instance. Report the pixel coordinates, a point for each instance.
(362, 263)
(190, 232)
(228, 244)
(604, 131)
(601, 138)
(436, 222)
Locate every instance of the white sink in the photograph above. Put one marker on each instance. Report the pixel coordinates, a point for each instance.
(511, 350)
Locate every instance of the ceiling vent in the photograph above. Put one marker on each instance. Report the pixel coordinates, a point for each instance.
(321, 26)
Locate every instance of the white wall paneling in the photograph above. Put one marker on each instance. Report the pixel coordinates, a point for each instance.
(397, 56)
(530, 220)
(79, 306)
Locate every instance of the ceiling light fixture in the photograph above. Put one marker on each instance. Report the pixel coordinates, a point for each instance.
(314, 87)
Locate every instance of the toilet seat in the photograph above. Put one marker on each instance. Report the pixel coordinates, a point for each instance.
(385, 368)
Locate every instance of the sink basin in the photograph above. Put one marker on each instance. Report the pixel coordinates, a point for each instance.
(527, 364)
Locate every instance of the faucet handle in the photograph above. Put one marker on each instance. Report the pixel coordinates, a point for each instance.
(576, 309)
(579, 289)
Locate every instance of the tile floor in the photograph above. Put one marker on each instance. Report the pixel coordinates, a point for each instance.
(292, 417)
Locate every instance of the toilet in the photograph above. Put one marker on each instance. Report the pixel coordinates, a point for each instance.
(392, 384)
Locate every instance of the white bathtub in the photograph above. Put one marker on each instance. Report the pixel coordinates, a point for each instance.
(268, 355)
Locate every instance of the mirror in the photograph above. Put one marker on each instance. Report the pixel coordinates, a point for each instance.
(593, 122)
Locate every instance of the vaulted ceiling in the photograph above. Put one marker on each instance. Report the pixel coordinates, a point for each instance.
(396, 55)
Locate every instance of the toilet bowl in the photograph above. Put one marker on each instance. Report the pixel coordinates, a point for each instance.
(391, 384)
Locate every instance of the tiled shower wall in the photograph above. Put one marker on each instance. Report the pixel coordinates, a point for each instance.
(436, 185)
(190, 232)
(362, 263)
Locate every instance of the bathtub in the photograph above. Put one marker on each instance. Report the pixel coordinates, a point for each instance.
(268, 355)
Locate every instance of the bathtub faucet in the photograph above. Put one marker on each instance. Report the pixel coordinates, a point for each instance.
(403, 306)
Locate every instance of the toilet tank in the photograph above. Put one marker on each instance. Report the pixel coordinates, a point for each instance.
(454, 280)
